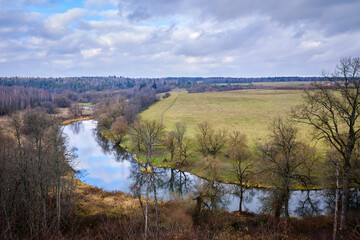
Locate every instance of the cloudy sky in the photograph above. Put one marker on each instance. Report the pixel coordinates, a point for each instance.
(159, 38)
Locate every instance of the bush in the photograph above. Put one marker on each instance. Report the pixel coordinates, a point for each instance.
(49, 107)
(62, 101)
(166, 95)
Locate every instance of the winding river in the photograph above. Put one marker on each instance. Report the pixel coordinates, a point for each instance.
(106, 166)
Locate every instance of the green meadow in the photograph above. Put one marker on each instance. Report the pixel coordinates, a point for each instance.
(249, 111)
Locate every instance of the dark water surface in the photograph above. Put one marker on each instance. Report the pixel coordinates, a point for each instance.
(106, 166)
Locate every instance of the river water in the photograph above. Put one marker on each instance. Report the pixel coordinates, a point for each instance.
(107, 166)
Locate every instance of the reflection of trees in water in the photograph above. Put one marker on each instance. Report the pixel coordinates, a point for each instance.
(76, 127)
(110, 148)
(178, 183)
(102, 141)
(268, 200)
(354, 201)
(248, 195)
(157, 178)
(165, 180)
(329, 199)
(308, 206)
(272, 202)
(210, 194)
(121, 154)
(308, 203)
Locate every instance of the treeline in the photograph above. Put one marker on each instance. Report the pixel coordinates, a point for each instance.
(14, 98)
(198, 87)
(244, 80)
(20, 92)
(18, 98)
(84, 84)
(37, 180)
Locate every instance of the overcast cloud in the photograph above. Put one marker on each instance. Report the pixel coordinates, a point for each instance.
(159, 38)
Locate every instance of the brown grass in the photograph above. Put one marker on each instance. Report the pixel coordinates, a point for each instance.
(70, 121)
(92, 201)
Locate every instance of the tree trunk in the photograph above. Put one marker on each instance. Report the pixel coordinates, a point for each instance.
(146, 205)
(345, 196)
(287, 217)
(241, 198)
(58, 206)
(198, 209)
(336, 200)
(156, 210)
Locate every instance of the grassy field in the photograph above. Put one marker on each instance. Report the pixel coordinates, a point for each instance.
(249, 111)
(283, 84)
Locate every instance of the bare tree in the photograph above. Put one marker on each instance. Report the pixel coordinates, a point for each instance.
(169, 143)
(147, 136)
(237, 151)
(210, 141)
(284, 159)
(118, 130)
(179, 133)
(76, 110)
(333, 112)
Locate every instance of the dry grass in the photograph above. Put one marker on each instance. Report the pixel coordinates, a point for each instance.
(92, 201)
(66, 122)
(283, 84)
(273, 84)
(249, 111)
(64, 115)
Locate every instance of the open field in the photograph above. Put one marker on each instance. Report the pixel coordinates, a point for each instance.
(283, 84)
(249, 111)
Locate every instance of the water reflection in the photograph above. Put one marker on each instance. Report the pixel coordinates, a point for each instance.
(179, 183)
(76, 127)
(111, 168)
(308, 205)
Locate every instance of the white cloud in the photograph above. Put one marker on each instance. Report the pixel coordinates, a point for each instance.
(229, 59)
(58, 24)
(89, 53)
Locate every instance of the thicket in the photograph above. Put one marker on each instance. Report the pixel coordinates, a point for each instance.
(37, 181)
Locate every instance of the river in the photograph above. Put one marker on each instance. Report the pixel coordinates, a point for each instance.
(107, 166)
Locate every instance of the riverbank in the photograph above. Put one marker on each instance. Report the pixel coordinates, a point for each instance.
(196, 167)
(70, 121)
(92, 201)
(178, 218)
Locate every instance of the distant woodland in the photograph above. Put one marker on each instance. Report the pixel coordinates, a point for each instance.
(22, 92)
